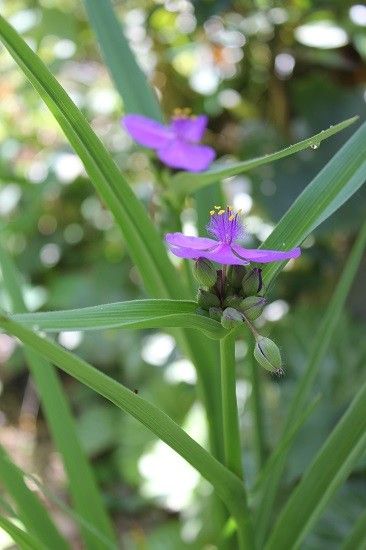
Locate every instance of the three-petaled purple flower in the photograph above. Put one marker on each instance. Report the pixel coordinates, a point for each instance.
(226, 228)
(176, 144)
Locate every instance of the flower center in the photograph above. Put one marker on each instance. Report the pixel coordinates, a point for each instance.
(225, 224)
(184, 112)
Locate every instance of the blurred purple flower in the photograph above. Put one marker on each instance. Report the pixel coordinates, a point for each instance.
(226, 229)
(177, 144)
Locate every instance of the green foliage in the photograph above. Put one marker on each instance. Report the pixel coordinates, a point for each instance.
(224, 482)
(135, 314)
(337, 182)
(185, 182)
(129, 79)
(56, 408)
(301, 393)
(327, 472)
(23, 539)
(250, 69)
(29, 509)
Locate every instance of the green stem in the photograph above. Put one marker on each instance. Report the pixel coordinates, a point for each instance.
(231, 432)
(257, 415)
(232, 449)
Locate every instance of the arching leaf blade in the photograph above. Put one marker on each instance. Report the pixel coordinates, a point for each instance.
(186, 183)
(135, 314)
(129, 79)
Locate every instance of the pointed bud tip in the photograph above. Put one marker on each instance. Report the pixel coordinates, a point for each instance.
(252, 282)
(206, 299)
(205, 272)
(231, 318)
(235, 276)
(252, 307)
(215, 313)
(268, 355)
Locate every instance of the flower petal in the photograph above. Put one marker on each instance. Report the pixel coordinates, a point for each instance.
(147, 132)
(265, 256)
(191, 128)
(221, 253)
(185, 241)
(180, 154)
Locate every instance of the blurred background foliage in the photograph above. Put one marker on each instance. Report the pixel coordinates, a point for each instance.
(268, 74)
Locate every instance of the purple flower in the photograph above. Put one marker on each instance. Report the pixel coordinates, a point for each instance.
(177, 144)
(226, 229)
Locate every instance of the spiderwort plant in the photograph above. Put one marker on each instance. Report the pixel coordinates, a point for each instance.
(234, 294)
(177, 144)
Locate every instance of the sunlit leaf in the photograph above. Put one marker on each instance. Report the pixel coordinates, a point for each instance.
(185, 182)
(137, 314)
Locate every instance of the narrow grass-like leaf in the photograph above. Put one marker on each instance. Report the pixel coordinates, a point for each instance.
(319, 348)
(283, 446)
(135, 314)
(144, 243)
(186, 182)
(130, 81)
(82, 485)
(327, 472)
(356, 540)
(227, 485)
(52, 497)
(333, 186)
(29, 510)
(22, 539)
(327, 327)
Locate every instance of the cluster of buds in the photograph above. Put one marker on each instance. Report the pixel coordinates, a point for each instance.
(234, 298)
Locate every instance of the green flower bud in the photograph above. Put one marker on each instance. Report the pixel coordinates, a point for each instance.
(231, 318)
(252, 282)
(252, 307)
(233, 301)
(235, 275)
(206, 299)
(201, 311)
(268, 355)
(204, 272)
(215, 313)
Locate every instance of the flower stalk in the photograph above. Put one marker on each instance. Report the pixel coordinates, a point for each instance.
(231, 432)
(232, 447)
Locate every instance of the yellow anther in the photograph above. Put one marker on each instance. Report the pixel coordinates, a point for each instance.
(221, 212)
(178, 112)
(212, 212)
(229, 207)
(217, 207)
(231, 217)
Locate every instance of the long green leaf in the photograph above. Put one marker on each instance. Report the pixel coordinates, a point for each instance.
(227, 485)
(356, 540)
(186, 182)
(82, 483)
(144, 243)
(23, 540)
(30, 511)
(134, 314)
(284, 445)
(323, 477)
(333, 186)
(128, 77)
(298, 402)
(59, 502)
